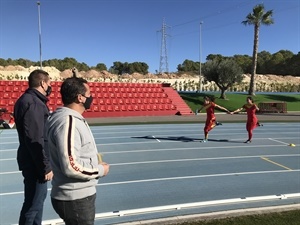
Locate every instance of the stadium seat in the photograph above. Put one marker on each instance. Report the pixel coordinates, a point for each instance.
(9, 88)
(143, 108)
(95, 108)
(110, 108)
(130, 108)
(3, 103)
(101, 101)
(116, 108)
(6, 95)
(103, 108)
(107, 101)
(123, 108)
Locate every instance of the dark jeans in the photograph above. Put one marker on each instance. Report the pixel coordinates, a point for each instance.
(76, 212)
(34, 196)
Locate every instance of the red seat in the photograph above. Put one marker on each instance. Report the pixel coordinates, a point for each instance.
(3, 102)
(95, 108)
(99, 95)
(121, 101)
(103, 108)
(58, 102)
(139, 101)
(9, 88)
(130, 108)
(155, 107)
(51, 101)
(95, 101)
(149, 107)
(10, 83)
(114, 101)
(110, 108)
(101, 101)
(18, 83)
(123, 108)
(118, 95)
(143, 107)
(6, 95)
(108, 101)
(11, 102)
(116, 108)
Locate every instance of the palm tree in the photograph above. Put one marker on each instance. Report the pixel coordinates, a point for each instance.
(256, 18)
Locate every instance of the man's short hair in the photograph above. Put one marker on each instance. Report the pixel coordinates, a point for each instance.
(71, 88)
(36, 77)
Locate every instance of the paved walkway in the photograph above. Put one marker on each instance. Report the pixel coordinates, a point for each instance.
(221, 117)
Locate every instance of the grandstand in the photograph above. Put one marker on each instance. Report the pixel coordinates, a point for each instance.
(110, 99)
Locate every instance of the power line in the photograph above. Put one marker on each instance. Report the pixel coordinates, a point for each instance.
(214, 14)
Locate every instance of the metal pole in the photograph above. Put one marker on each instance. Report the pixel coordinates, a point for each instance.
(40, 33)
(200, 56)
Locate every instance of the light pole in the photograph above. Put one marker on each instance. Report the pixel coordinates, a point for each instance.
(200, 56)
(40, 33)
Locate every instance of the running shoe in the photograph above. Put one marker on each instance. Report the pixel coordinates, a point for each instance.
(259, 124)
(247, 142)
(204, 140)
(218, 124)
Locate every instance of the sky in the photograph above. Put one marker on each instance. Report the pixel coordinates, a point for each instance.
(107, 31)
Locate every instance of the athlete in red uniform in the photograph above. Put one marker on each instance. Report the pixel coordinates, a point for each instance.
(210, 123)
(252, 121)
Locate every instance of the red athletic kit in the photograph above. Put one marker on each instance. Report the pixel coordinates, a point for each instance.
(251, 119)
(210, 118)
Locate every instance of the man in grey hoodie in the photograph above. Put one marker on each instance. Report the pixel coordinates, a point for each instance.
(74, 157)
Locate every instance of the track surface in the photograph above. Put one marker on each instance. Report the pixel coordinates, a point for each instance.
(163, 165)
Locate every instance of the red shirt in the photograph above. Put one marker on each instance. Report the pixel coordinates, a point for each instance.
(210, 109)
(251, 110)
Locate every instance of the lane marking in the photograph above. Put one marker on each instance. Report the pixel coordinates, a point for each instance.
(272, 139)
(176, 149)
(275, 163)
(199, 159)
(185, 134)
(182, 160)
(197, 176)
(176, 178)
(156, 138)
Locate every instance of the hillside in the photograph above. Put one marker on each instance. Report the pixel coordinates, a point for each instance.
(178, 81)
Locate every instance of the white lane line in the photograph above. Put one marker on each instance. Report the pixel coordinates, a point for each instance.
(171, 134)
(156, 138)
(201, 159)
(177, 178)
(176, 149)
(197, 176)
(185, 160)
(13, 172)
(272, 139)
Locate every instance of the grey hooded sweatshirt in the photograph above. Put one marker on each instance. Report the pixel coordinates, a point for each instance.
(73, 155)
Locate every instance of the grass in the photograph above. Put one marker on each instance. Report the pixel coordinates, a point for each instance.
(279, 218)
(237, 100)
